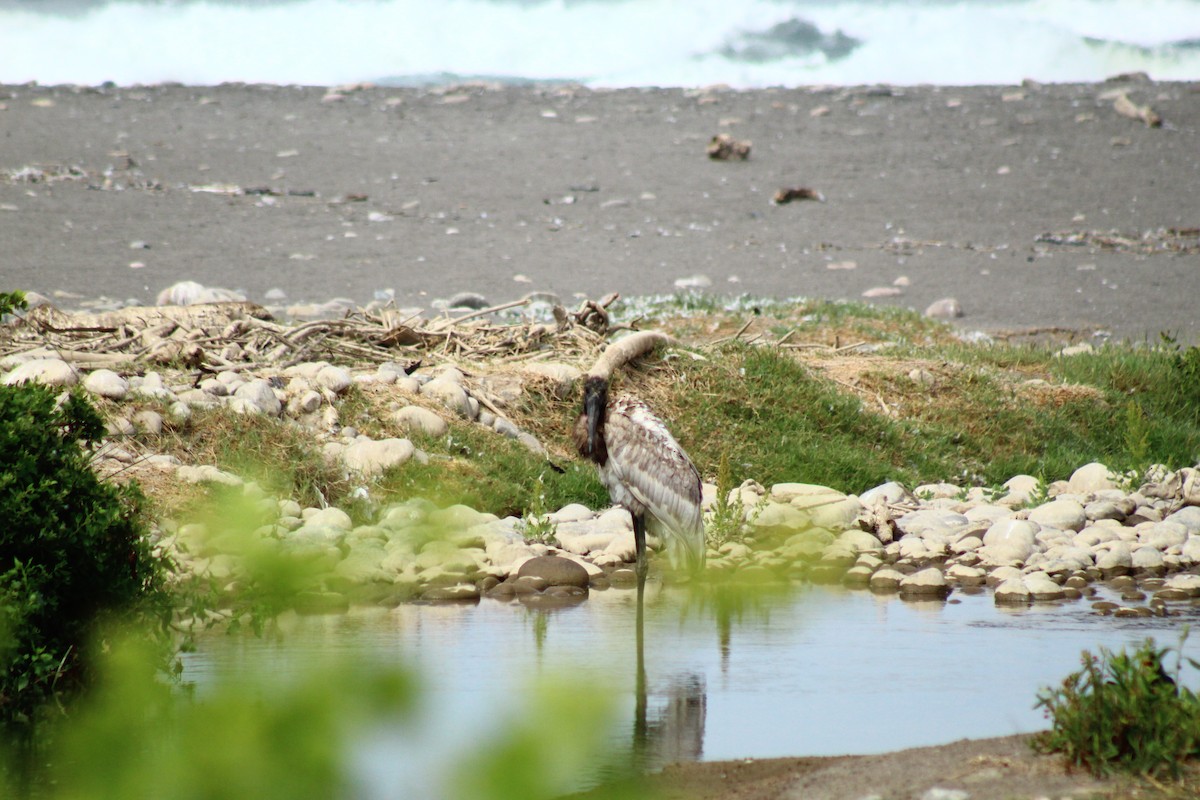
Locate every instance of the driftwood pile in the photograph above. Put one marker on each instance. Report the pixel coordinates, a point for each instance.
(220, 337)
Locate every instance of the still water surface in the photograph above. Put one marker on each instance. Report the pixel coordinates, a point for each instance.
(823, 672)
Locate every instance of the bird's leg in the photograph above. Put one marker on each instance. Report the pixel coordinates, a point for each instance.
(639, 541)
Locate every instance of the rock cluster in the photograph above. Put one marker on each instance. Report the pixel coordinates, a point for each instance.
(1027, 542)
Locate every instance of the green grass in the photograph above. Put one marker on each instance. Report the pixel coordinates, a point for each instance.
(775, 415)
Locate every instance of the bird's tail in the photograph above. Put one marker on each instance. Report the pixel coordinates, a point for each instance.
(684, 543)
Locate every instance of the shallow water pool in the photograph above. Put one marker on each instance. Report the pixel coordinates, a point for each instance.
(823, 671)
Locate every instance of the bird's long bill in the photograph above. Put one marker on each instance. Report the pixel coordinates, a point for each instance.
(595, 398)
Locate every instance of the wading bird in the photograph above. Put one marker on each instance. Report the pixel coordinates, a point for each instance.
(642, 466)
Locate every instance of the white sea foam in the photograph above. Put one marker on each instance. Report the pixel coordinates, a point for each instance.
(601, 42)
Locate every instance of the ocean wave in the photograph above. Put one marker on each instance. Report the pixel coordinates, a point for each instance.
(749, 43)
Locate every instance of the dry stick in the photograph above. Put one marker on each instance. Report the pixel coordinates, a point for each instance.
(785, 337)
(736, 336)
(485, 311)
(854, 346)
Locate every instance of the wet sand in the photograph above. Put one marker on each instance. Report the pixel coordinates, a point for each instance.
(936, 192)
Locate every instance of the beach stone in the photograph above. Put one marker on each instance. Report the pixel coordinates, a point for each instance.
(857, 542)
(1103, 509)
(449, 393)
(371, 456)
(259, 393)
(106, 383)
(304, 403)
(938, 491)
(1188, 517)
(1190, 552)
(556, 571)
(1164, 535)
(1184, 583)
(456, 593)
(148, 421)
(932, 521)
(886, 581)
(1092, 477)
(329, 517)
(1115, 559)
(826, 508)
(779, 515)
(1012, 592)
(421, 420)
(965, 575)
(885, 494)
(924, 584)
(1021, 490)
(207, 474)
(945, 308)
(582, 537)
(335, 379)
(1063, 514)
(1147, 559)
(1010, 540)
(46, 371)
(572, 512)
(1042, 587)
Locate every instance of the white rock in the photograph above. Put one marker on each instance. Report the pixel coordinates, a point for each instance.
(1062, 514)
(1190, 552)
(1012, 592)
(857, 542)
(937, 491)
(1010, 540)
(1092, 477)
(1042, 587)
(335, 379)
(1021, 490)
(1115, 556)
(47, 371)
(260, 393)
(1147, 557)
(968, 576)
(945, 308)
(330, 517)
(207, 474)
(1185, 583)
(937, 521)
(884, 494)
(825, 507)
(186, 293)
(106, 383)
(573, 512)
(148, 421)
(582, 538)
(450, 394)
(307, 402)
(1188, 517)
(1164, 535)
(371, 456)
(929, 582)
(421, 420)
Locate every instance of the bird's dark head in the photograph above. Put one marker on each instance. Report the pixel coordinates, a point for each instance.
(590, 428)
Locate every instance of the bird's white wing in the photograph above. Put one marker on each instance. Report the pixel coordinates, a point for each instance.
(645, 458)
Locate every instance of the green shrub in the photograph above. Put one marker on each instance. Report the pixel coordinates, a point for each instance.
(74, 553)
(1123, 713)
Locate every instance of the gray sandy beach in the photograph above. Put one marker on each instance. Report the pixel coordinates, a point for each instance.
(1037, 207)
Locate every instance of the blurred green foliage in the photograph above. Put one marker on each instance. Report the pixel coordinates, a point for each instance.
(1123, 713)
(74, 551)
